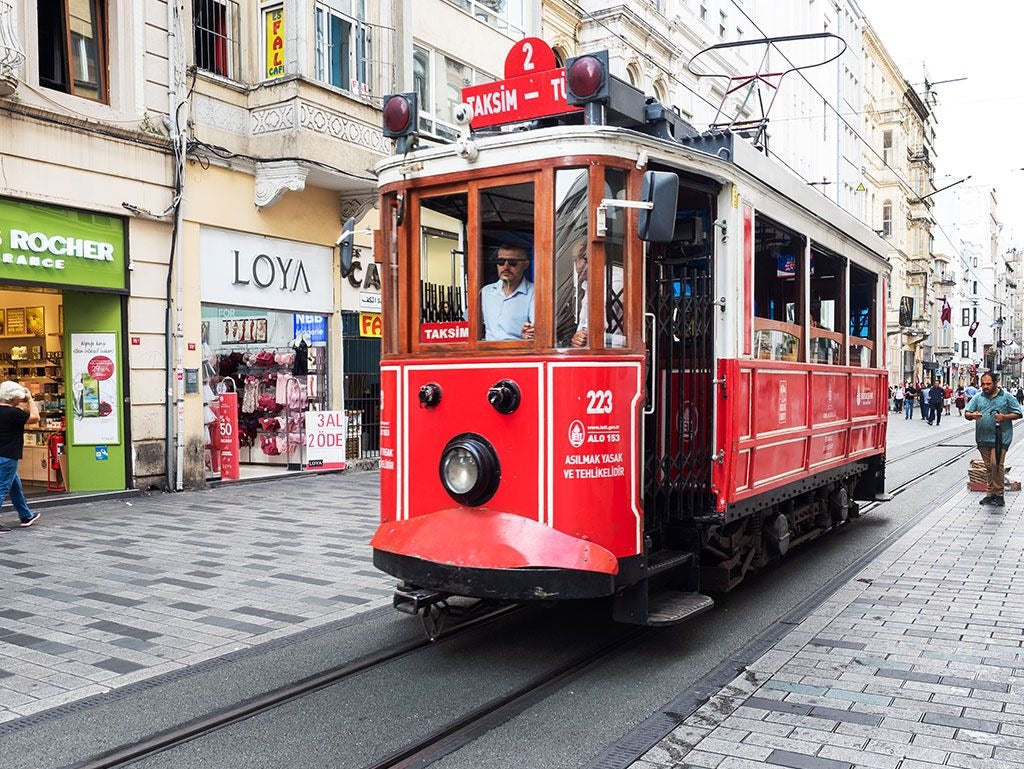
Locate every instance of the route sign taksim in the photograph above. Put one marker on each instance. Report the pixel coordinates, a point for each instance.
(533, 88)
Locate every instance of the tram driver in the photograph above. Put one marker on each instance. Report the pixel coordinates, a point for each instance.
(507, 304)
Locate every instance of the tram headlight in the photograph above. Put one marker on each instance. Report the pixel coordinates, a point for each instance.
(469, 469)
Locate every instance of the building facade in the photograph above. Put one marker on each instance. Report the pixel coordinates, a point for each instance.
(898, 179)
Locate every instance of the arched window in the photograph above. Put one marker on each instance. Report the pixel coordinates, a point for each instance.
(660, 92)
(560, 56)
(887, 219)
(633, 75)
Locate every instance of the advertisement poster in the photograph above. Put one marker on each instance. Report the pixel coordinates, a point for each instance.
(224, 435)
(93, 389)
(325, 440)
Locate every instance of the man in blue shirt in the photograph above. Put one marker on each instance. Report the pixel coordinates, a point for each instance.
(994, 410)
(507, 304)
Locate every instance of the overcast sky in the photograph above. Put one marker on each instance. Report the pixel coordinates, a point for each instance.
(980, 119)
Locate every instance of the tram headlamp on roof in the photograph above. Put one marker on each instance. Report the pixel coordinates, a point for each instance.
(605, 98)
(469, 469)
(401, 120)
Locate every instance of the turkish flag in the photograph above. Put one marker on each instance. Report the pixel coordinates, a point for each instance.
(972, 329)
(946, 315)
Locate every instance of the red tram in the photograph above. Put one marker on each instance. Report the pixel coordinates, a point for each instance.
(727, 402)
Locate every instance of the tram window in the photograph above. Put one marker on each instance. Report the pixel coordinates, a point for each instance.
(826, 293)
(614, 262)
(572, 205)
(443, 236)
(862, 317)
(778, 317)
(506, 263)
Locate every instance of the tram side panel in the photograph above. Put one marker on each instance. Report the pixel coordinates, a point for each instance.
(784, 422)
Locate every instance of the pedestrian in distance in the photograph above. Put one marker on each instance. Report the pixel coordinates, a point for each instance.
(1019, 395)
(947, 398)
(993, 410)
(936, 396)
(961, 400)
(908, 404)
(971, 390)
(922, 395)
(17, 409)
(898, 395)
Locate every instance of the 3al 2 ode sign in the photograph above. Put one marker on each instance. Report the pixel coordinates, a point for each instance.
(325, 440)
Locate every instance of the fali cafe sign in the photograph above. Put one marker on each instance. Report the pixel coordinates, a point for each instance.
(46, 244)
(247, 270)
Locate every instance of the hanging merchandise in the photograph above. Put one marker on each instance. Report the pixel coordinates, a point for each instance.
(301, 366)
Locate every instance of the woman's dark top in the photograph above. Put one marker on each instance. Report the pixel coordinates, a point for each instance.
(12, 431)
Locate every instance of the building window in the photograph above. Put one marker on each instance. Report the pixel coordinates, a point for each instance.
(887, 219)
(505, 15)
(975, 314)
(343, 46)
(216, 37)
(721, 24)
(887, 147)
(73, 47)
(703, 12)
(965, 317)
(438, 81)
(974, 287)
(974, 344)
(965, 349)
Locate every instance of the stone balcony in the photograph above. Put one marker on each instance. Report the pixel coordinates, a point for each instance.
(289, 132)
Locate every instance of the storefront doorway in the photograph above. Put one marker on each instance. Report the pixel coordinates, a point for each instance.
(62, 286)
(265, 332)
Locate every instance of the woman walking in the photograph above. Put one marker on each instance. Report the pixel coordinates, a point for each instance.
(961, 400)
(13, 419)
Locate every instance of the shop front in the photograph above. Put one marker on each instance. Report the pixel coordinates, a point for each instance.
(63, 295)
(361, 347)
(265, 332)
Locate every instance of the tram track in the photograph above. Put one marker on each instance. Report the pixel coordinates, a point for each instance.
(196, 728)
(455, 732)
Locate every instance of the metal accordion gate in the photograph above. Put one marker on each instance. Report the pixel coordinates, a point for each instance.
(677, 480)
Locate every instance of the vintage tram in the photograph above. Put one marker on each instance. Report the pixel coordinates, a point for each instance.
(621, 358)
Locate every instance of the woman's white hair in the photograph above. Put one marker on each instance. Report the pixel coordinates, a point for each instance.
(11, 391)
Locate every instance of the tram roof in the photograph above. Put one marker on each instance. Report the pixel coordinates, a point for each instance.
(723, 156)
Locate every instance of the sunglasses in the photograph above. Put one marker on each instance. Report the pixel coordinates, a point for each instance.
(512, 262)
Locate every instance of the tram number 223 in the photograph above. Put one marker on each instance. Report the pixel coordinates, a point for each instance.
(599, 401)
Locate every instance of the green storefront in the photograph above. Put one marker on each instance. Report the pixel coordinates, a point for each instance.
(63, 295)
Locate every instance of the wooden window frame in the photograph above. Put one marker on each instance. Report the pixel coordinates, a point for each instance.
(102, 58)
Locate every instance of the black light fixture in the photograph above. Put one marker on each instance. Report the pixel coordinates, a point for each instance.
(401, 120)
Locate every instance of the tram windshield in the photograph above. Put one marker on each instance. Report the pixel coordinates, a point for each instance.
(512, 262)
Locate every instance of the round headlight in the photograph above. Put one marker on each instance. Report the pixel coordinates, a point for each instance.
(460, 470)
(469, 469)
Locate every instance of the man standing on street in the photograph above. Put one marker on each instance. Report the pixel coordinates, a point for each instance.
(935, 397)
(910, 393)
(994, 410)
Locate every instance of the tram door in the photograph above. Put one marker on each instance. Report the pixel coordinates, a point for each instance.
(680, 350)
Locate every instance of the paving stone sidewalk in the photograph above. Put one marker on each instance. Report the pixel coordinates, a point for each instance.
(916, 663)
(102, 594)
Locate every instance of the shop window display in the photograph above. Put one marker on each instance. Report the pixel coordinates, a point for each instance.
(277, 369)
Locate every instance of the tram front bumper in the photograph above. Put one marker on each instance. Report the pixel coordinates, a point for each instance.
(490, 554)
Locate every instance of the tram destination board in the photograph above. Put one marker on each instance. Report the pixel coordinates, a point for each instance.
(533, 88)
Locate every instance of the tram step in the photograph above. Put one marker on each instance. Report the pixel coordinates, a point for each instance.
(666, 560)
(672, 606)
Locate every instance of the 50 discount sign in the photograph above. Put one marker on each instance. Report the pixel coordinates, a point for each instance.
(325, 440)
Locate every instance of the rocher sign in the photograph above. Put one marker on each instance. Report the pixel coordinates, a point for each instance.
(46, 244)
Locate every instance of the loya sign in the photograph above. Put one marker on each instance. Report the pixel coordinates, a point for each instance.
(256, 271)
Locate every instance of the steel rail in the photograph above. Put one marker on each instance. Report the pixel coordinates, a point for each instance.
(218, 719)
(635, 743)
(460, 732)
